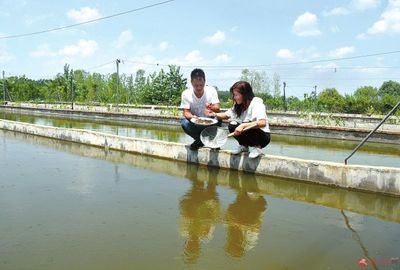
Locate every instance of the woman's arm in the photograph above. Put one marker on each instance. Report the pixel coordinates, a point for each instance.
(255, 124)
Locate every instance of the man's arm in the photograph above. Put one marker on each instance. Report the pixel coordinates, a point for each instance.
(187, 114)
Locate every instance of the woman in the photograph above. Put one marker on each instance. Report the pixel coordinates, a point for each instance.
(248, 112)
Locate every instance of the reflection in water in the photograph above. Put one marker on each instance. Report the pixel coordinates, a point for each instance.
(200, 213)
(357, 237)
(243, 218)
(199, 209)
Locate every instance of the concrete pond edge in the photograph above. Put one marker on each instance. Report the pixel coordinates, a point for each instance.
(376, 179)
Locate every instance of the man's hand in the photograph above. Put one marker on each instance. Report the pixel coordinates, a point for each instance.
(209, 111)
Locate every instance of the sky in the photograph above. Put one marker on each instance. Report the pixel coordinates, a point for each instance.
(341, 44)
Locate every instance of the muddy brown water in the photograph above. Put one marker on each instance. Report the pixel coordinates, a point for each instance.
(71, 206)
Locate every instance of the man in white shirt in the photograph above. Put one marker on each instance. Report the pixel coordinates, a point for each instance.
(194, 102)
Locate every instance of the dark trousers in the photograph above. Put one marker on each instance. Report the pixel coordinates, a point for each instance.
(194, 130)
(251, 137)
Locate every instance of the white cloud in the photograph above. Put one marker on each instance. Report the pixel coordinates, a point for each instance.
(84, 48)
(338, 11)
(365, 4)
(378, 28)
(394, 3)
(147, 62)
(369, 71)
(5, 56)
(123, 39)
(341, 52)
(284, 53)
(84, 14)
(327, 68)
(43, 51)
(389, 22)
(163, 46)
(217, 38)
(222, 58)
(193, 57)
(306, 25)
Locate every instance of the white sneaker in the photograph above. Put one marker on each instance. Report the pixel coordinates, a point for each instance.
(255, 152)
(240, 149)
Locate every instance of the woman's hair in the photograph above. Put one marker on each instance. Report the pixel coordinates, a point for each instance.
(246, 91)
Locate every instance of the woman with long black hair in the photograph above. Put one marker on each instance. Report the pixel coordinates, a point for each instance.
(247, 111)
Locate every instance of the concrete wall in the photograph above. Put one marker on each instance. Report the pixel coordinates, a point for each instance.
(375, 179)
(295, 118)
(285, 124)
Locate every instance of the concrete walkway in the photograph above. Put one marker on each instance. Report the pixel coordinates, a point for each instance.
(374, 179)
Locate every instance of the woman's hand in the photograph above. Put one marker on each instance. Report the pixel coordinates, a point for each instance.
(238, 130)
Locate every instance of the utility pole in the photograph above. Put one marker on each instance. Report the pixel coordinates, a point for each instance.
(117, 62)
(4, 89)
(284, 97)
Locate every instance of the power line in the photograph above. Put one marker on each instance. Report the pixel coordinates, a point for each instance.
(86, 22)
(101, 65)
(272, 65)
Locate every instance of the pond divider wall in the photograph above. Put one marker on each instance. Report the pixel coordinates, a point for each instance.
(280, 123)
(367, 178)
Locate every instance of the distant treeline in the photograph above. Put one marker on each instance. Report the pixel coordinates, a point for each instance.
(165, 88)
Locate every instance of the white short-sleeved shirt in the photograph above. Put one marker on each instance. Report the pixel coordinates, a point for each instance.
(197, 105)
(255, 111)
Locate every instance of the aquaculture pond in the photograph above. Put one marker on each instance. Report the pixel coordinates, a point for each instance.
(71, 206)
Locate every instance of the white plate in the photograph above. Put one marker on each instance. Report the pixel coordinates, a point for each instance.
(204, 121)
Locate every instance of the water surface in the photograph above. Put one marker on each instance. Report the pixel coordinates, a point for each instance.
(70, 206)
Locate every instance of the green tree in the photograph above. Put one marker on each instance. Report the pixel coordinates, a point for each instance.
(163, 88)
(364, 100)
(390, 88)
(329, 100)
(389, 96)
(176, 84)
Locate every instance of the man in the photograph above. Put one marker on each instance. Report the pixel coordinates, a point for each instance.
(195, 101)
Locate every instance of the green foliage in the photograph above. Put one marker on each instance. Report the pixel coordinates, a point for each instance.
(329, 100)
(294, 104)
(390, 88)
(387, 103)
(363, 101)
(224, 96)
(327, 119)
(165, 88)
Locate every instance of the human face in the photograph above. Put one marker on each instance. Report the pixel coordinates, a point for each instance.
(198, 85)
(237, 96)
